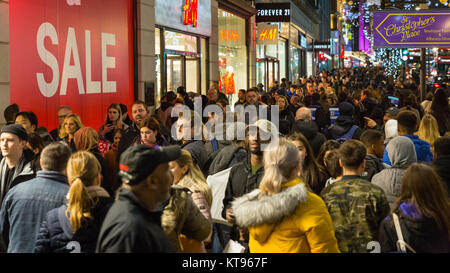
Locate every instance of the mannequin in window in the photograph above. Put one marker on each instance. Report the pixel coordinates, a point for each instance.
(228, 80)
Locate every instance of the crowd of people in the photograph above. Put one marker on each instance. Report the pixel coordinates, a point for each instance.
(358, 158)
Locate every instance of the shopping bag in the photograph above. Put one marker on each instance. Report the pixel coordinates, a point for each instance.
(234, 247)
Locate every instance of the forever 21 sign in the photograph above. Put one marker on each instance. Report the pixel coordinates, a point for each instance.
(273, 12)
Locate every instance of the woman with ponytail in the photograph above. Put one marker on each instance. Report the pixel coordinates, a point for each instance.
(282, 216)
(75, 227)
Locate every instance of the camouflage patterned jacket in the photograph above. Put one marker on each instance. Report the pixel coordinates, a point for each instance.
(357, 209)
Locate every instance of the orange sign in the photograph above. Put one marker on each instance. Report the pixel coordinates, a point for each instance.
(190, 12)
(267, 34)
(229, 35)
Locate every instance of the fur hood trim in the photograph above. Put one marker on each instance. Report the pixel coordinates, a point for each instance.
(251, 211)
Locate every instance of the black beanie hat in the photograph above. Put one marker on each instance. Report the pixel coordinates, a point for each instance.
(346, 109)
(16, 129)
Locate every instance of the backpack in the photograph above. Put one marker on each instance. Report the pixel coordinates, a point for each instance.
(347, 136)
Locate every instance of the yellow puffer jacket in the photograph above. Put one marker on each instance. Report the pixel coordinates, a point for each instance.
(291, 221)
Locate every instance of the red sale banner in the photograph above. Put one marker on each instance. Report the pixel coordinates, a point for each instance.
(71, 52)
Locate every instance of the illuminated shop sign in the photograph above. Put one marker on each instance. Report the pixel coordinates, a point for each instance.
(190, 16)
(190, 12)
(267, 34)
(229, 35)
(273, 12)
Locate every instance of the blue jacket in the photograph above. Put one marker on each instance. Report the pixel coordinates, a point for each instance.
(25, 207)
(56, 233)
(422, 147)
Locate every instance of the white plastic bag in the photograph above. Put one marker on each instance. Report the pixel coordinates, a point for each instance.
(234, 247)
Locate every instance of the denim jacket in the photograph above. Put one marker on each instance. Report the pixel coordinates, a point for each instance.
(25, 207)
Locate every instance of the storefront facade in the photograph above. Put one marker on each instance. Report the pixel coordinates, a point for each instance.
(181, 45)
(288, 56)
(271, 62)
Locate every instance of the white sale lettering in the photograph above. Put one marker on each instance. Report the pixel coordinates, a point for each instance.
(71, 71)
(48, 89)
(91, 86)
(108, 62)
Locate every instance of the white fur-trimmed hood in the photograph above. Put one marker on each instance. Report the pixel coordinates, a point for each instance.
(251, 211)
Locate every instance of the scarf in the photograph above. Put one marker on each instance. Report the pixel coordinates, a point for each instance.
(94, 191)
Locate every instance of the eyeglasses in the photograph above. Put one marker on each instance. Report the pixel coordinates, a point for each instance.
(62, 116)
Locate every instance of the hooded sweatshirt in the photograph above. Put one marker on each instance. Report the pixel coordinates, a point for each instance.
(312, 134)
(423, 150)
(401, 153)
(390, 129)
(344, 122)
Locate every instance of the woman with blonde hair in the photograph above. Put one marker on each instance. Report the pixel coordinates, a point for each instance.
(75, 227)
(282, 216)
(428, 130)
(71, 124)
(189, 175)
(186, 174)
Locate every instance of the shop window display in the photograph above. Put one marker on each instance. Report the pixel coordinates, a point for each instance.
(232, 55)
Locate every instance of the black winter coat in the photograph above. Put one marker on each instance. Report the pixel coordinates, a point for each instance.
(312, 134)
(322, 116)
(373, 166)
(421, 233)
(287, 118)
(198, 153)
(129, 227)
(56, 234)
(343, 125)
(442, 167)
(241, 181)
(227, 157)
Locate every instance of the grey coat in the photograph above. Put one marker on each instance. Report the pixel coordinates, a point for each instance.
(402, 154)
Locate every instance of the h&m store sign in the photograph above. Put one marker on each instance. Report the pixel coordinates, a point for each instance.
(267, 34)
(71, 52)
(273, 12)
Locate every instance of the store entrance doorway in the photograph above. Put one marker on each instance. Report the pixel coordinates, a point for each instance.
(182, 70)
(175, 71)
(268, 71)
